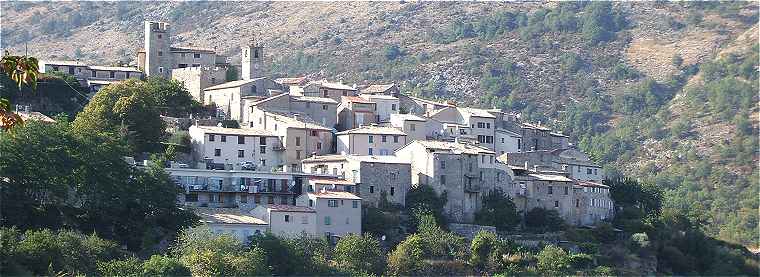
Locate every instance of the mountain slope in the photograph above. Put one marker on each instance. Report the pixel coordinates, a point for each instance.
(616, 77)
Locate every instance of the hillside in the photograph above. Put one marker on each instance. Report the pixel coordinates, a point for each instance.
(617, 78)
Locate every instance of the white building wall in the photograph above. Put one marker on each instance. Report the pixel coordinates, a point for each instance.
(204, 148)
(240, 231)
(358, 144)
(506, 143)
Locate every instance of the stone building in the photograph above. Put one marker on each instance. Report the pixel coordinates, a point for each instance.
(301, 136)
(236, 145)
(326, 89)
(354, 112)
(419, 106)
(197, 79)
(91, 76)
(288, 221)
(571, 161)
(320, 109)
(415, 127)
(463, 172)
(339, 213)
(233, 98)
(378, 178)
(370, 140)
(387, 89)
(385, 106)
(159, 57)
(592, 202)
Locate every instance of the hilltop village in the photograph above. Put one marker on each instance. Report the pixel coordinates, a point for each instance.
(307, 155)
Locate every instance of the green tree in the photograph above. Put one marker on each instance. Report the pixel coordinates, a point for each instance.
(540, 219)
(171, 96)
(498, 210)
(553, 261)
(160, 265)
(206, 253)
(359, 255)
(407, 258)
(424, 198)
(125, 109)
(231, 74)
(130, 267)
(486, 251)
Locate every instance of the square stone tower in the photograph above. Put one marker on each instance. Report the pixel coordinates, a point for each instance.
(158, 57)
(252, 61)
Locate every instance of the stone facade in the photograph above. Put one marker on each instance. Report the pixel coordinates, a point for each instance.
(197, 79)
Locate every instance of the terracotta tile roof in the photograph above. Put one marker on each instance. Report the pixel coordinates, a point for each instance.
(355, 99)
(372, 89)
(335, 195)
(550, 177)
(226, 216)
(235, 131)
(591, 184)
(453, 147)
(232, 84)
(373, 130)
(290, 208)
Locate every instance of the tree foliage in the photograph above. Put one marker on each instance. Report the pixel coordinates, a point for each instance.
(498, 210)
(543, 220)
(359, 255)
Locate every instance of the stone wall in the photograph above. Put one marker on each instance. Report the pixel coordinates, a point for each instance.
(469, 230)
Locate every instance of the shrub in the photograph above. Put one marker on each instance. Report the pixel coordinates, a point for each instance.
(540, 219)
(159, 265)
(498, 210)
(128, 267)
(359, 255)
(552, 260)
(407, 258)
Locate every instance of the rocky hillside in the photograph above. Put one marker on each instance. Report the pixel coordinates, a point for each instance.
(615, 76)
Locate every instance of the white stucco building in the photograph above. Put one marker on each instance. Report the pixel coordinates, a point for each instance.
(338, 213)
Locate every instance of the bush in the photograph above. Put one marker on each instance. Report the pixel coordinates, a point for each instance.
(159, 265)
(498, 210)
(543, 220)
(407, 258)
(438, 242)
(359, 255)
(552, 260)
(392, 52)
(128, 267)
(605, 233)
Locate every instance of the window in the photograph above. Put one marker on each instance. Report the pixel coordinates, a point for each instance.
(371, 189)
(217, 152)
(112, 74)
(255, 53)
(263, 149)
(579, 169)
(347, 220)
(241, 153)
(319, 146)
(241, 140)
(577, 203)
(412, 127)
(483, 159)
(395, 139)
(556, 204)
(160, 69)
(371, 139)
(311, 203)
(182, 65)
(327, 220)
(93, 74)
(196, 65)
(197, 55)
(263, 162)
(304, 219)
(354, 204)
(243, 198)
(443, 179)
(298, 141)
(263, 141)
(224, 138)
(567, 190)
(345, 93)
(589, 171)
(488, 125)
(519, 144)
(308, 105)
(595, 172)
(324, 93)
(384, 138)
(181, 54)
(270, 200)
(393, 191)
(284, 200)
(481, 125)
(298, 154)
(369, 151)
(287, 218)
(490, 159)
(211, 138)
(191, 197)
(159, 36)
(332, 203)
(324, 107)
(443, 164)
(160, 53)
(551, 190)
(489, 139)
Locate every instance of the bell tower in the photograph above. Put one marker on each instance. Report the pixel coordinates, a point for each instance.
(158, 60)
(252, 63)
